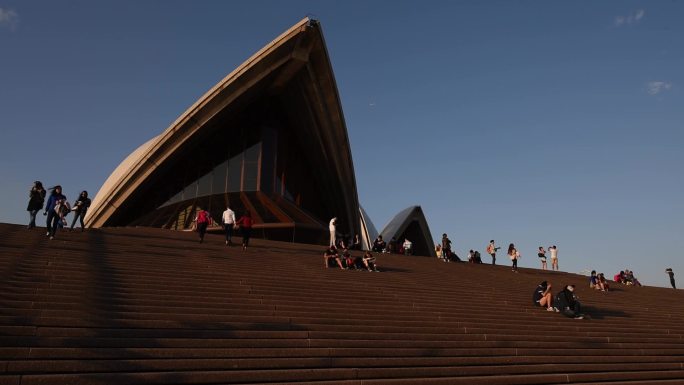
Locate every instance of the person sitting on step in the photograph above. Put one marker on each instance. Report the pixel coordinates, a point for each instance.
(595, 282)
(331, 256)
(471, 256)
(567, 302)
(631, 279)
(348, 259)
(379, 244)
(369, 262)
(542, 296)
(603, 282)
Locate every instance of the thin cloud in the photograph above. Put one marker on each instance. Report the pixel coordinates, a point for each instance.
(656, 87)
(632, 18)
(8, 18)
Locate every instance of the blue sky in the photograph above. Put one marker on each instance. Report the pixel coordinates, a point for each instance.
(531, 122)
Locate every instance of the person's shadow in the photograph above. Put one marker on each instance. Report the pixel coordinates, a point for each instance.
(599, 313)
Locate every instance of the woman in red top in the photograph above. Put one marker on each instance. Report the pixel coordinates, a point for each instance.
(202, 221)
(245, 222)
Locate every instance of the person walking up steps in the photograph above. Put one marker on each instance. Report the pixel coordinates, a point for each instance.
(245, 222)
(228, 220)
(202, 221)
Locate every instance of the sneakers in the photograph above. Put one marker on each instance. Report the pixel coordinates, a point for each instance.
(579, 317)
(549, 309)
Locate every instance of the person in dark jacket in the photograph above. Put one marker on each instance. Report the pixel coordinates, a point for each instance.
(80, 208)
(56, 200)
(36, 201)
(671, 274)
(379, 244)
(568, 303)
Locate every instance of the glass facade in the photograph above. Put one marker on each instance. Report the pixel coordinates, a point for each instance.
(250, 162)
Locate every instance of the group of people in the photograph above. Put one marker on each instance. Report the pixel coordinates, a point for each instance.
(56, 209)
(346, 261)
(626, 277)
(444, 252)
(393, 247)
(598, 281)
(345, 241)
(565, 301)
(230, 225)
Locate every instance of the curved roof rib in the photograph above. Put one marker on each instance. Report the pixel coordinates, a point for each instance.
(297, 59)
(411, 223)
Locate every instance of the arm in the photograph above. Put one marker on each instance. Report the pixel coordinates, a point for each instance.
(49, 202)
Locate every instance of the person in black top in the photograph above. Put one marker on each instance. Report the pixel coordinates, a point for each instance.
(331, 255)
(568, 303)
(446, 247)
(392, 246)
(542, 296)
(80, 208)
(36, 201)
(671, 274)
(379, 245)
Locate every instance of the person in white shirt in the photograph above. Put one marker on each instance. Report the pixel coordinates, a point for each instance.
(407, 247)
(491, 250)
(514, 255)
(554, 257)
(228, 220)
(333, 231)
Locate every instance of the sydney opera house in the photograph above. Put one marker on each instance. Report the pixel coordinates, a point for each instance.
(269, 138)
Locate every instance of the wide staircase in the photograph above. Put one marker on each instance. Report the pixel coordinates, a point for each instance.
(139, 305)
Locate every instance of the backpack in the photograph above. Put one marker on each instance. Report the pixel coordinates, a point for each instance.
(490, 249)
(202, 217)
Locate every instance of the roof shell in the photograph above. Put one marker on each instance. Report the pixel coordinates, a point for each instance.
(399, 224)
(302, 47)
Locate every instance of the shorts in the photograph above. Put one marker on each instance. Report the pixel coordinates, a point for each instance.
(543, 259)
